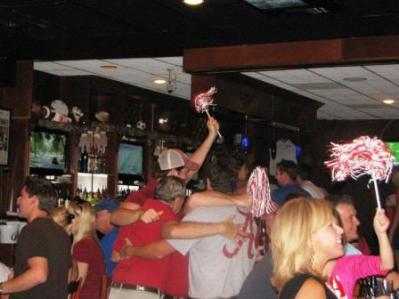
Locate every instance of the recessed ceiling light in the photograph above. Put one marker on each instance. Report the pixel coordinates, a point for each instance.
(108, 67)
(388, 101)
(355, 79)
(193, 2)
(160, 81)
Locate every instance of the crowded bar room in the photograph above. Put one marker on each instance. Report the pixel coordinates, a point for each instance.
(199, 149)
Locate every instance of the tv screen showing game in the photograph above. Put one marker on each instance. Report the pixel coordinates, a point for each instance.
(394, 146)
(47, 151)
(130, 159)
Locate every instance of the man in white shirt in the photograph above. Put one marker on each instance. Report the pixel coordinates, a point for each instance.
(303, 179)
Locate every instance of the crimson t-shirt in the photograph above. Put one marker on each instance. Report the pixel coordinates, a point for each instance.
(88, 251)
(135, 270)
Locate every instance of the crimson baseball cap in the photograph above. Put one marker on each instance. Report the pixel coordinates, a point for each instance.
(174, 158)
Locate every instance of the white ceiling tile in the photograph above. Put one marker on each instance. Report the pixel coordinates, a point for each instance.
(341, 72)
(342, 99)
(68, 73)
(387, 70)
(178, 61)
(48, 66)
(297, 76)
(148, 65)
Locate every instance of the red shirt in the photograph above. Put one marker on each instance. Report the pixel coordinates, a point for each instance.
(88, 251)
(136, 270)
(177, 282)
(141, 195)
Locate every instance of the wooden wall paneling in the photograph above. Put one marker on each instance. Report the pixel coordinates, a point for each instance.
(292, 54)
(19, 100)
(249, 96)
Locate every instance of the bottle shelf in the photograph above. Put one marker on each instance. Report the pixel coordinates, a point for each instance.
(91, 182)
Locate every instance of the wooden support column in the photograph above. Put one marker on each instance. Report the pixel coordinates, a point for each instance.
(18, 99)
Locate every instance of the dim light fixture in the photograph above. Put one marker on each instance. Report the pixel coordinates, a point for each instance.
(193, 2)
(160, 81)
(388, 101)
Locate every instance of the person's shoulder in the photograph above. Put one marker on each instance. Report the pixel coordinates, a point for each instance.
(43, 224)
(86, 241)
(151, 203)
(311, 289)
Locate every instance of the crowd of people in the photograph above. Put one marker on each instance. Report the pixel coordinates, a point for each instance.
(161, 243)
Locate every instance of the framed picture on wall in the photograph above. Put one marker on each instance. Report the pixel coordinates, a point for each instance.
(5, 118)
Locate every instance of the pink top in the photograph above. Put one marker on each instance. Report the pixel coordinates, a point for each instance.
(348, 269)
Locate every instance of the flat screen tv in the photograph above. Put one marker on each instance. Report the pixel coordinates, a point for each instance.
(394, 146)
(131, 160)
(47, 152)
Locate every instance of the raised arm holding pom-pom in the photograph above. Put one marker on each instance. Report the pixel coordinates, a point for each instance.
(381, 225)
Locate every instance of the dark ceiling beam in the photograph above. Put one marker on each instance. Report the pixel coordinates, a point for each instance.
(292, 54)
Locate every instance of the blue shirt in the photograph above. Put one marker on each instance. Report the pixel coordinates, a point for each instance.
(106, 244)
(279, 195)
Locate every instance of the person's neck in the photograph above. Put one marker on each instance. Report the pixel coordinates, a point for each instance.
(327, 269)
(35, 214)
(109, 229)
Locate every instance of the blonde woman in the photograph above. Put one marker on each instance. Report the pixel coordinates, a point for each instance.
(61, 217)
(86, 250)
(304, 238)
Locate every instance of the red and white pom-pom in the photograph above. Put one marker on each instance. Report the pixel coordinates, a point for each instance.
(258, 187)
(364, 155)
(204, 99)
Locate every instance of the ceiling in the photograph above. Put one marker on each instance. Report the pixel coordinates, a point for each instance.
(76, 37)
(348, 92)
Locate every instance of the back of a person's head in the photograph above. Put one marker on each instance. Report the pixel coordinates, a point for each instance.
(169, 187)
(61, 217)
(291, 235)
(305, 172)
(223, 171)
(288, 167)
(87, 221)
(44, 191)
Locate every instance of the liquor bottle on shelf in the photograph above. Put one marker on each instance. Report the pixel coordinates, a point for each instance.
(80, 159)
(84, 159)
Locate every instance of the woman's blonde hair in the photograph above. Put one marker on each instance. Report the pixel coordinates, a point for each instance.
(87, 221)
(60, 216)
(291, 237)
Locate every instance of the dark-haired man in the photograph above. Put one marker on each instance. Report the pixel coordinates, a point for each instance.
(217, 266)
(304, 180)
(43, 250)
(286, 175)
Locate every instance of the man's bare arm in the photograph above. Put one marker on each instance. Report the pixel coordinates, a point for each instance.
(154, 250)
(124, 216)
(193, 230)
(217, 199)
(202, 151)
(36, 274)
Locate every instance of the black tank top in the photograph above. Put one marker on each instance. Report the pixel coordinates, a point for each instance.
(292, 287)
